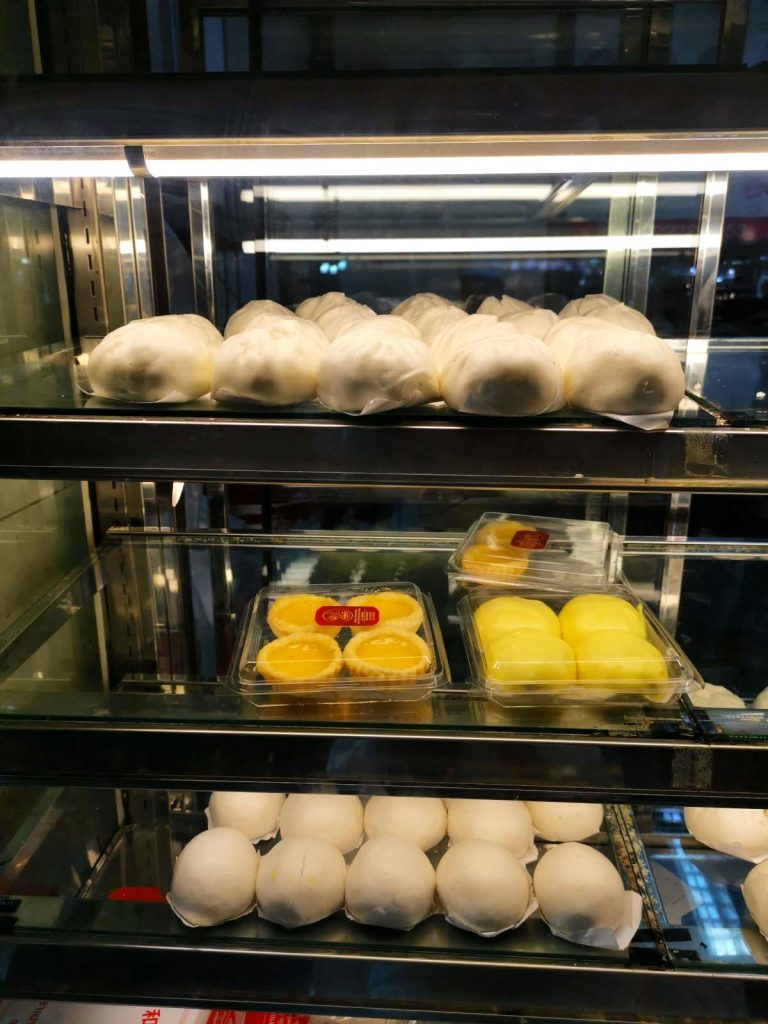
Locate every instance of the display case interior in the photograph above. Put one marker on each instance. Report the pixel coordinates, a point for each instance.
(94, 866)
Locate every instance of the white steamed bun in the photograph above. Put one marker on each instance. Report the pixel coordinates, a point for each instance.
(256, 815)
(564, 335)
(453, 338)
(482, 887)
(390, 884)
(761, 700)
(515, 375)
(738, 831)
(755, 892)
(376, 366)
(433, 321)
(310, 309)
(338, 318)
(587, 306)
(711, 696)
(506, 304)
(621, 372)
(581, 896)
(214, 878)
(154, 360)
(301, 881)
(421, 819)
(624, 316)
(565, 822)
(536, 322)
(253, 313)
(505, 822)
(417, 304)
(274, 364)
(336, 818)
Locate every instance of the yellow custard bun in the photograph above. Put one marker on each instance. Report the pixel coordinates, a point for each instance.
(529, 656)
(619, 657)
(595, 613)
(295, 613)
(387, 653)
(498, 563)
(395, 609)
(499, 534)
(300, 658)
(503, 615)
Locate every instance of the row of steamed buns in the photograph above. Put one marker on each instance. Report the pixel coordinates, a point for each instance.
(507, 359)
(480, 883)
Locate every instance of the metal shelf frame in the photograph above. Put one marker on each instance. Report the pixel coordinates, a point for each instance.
(415, 450)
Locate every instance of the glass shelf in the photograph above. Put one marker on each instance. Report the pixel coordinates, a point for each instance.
(129, 657)
(72, 859)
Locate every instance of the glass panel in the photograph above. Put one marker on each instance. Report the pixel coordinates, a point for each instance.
(697, 894)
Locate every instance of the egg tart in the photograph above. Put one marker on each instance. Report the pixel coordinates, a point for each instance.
(387, 653)
(295, 613)
(499, 533)
(300, 658)
(500, 563)
(394, 607)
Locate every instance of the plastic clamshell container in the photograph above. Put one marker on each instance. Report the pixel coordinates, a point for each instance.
(349, 610)
(534, 551)
(607, 680)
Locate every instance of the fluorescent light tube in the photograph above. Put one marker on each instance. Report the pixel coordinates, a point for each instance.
(535, 243)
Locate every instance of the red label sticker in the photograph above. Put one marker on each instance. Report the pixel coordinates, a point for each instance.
(533, 540)
(346, 615)
(137, 894)
(253, 1017)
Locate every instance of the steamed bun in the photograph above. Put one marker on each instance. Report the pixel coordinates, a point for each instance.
(755, 892)
(338, 318)
(620, 315)
(154, 360)
(421, 819)
(256, 815)
(622, 372)
(482, 887)
(506, 304)
(253, 313)
(738, 831)
(761, 700)
(535, 322)
(310, 309)
(419, 303)
(214, 878)
(582, 898)
(565, 822)
(711, 696)
(372, 367)
(587, 306)
(390, 884)
(336, 818)
(503, 376)
(274, 364)
(504, 822)
(301, 881)
(435, 320)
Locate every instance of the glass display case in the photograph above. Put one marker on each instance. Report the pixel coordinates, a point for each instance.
(199, 157)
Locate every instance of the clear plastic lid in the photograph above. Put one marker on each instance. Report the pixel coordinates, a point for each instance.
(534, 551)
(539, 646)
(339, 644)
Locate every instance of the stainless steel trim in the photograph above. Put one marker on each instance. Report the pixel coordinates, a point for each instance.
(705, 282)
(420, 449)
(202, 248)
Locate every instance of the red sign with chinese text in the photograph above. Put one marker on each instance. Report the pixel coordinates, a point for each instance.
(533, 540)
(346, 615)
